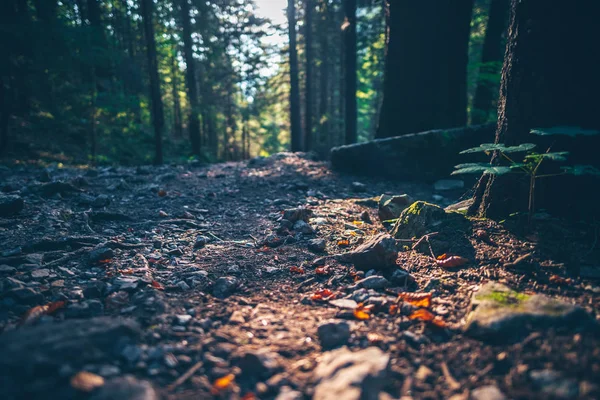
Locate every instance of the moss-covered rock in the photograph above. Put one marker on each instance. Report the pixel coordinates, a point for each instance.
(500, 314)
(390, 207)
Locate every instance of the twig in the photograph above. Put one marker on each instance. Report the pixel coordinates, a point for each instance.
(216, 237)
(424, 237)
(185, 376)
(453, 383)
(68, 257)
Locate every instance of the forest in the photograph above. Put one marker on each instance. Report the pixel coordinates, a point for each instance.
(299, 199)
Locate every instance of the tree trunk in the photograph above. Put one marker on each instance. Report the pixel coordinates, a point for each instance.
(350, 73)
(309, 101)
(425, 84)
(295, 118)
(324, 70)
(491, 61)
(190, 75)
(177, 124)
(549, 79)
(147, 7)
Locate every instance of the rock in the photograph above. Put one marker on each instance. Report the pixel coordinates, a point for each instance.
(225, 286)
(286, 393)
(52, 188)
(40, 273)
(303, 227)
(359, 187)
(502, 314)
(101, 201)
(379, 252)
(100, 254)
(25, 295)
(448, 184)
(49, 347)
(554, 385)
(86, 309)
(7, 269)
(297, 214)
(489, 392)
(412, 156)
(125, 388)
(421, 218)
(181, 285)
(401, 277)
(260, 364)
(182, 319)
(333, 334)
(237, 318)
(127, 283)
(423, 373)
(201, 241)
(317, 245)
(10, 205)
(372, 282)
(390, 207)
(342, 374)
(344, 303)
(131, 353)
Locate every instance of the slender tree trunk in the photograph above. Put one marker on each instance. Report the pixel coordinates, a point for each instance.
(426, 66)
(295, 118)
(309, 100)
(350, 73)
(491, 61)
(324, 71)
(5, 112)
(177, 124)
(158, 122)
(190, 74)
(549, 79)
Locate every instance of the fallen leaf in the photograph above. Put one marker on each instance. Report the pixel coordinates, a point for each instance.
(450, 261)
(86, 381)
(393, 309)
(322, 271)
(249, 396)
(162, 193)
(416, 299)
(343, 243)
(157, 285)
(559, 280)
(362, 312)
(425, 315)
(222, 383)
(322, 295)
(38, 311)
(297, 270)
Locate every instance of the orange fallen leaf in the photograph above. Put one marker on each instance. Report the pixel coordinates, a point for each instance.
(157, 285)
(393, 309)
(343, 243)
(86, 381)
(38, 311)
(362, 312)
(162, 193)
(322, 295)
(427, 316)
(297, 270)
(322, 271)
(559, 280)
(105, 261)
(416, 299)
(222, 383)
(249, 396)
(450, 261)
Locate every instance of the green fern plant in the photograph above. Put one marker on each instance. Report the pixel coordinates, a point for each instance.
(531, 162)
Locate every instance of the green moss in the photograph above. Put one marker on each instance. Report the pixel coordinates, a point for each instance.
(504, 298)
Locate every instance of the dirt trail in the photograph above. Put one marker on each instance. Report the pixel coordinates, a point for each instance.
(182, 282)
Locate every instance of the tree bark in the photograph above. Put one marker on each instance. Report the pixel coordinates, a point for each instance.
(309, 100)
(549, 79)
(147, 10)
(324, 71)
(350, 73)
(177, 124)
(491, 59)
(190, 75)
(295, 118)
(426, 66)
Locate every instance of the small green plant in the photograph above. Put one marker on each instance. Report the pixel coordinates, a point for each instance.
(531, 162)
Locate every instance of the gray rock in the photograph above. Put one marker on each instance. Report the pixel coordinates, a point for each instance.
(297, 214)
(554, 385)
(127, 283)
(379, 252)
(101, 201)
(182, 319)
(401, 277)
(10, 205)
(359, 187)
(344, 303)
(303, 227)
(317, 245)
(131, 353)
(25, 295)
(448, 184)
(201, 241)
(372, 282)
(502, 314)
(333, 334)
(181, 285)
(287, 393)
(88, 308)
(259, 364)
(40, 273)
(225, 286)
(390, 207)
(7, 269)
(125, 388)
(489, 392)
(100, 254)
(347, 375)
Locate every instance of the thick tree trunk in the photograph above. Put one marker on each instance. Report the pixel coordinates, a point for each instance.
(491, 60)
(295, 118)
(350, 73)
(158, 122)
(549, 79)
(426, 66)
(190, 75)
(309, 100)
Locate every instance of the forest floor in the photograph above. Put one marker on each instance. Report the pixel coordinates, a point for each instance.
(181, 282)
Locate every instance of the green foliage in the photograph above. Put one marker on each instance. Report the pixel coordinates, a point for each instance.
(489, 147)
